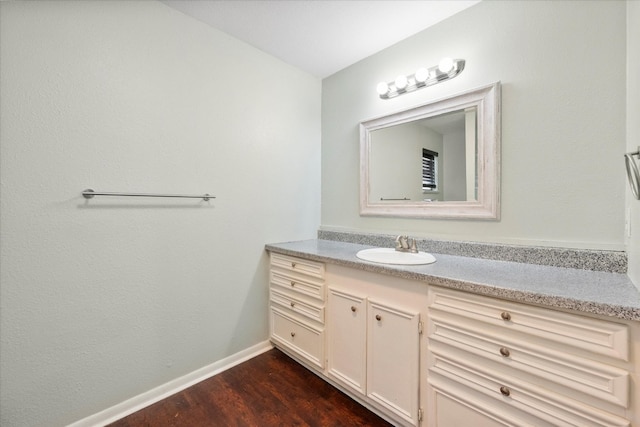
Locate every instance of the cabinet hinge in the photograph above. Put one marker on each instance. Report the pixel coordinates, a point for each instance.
(420, 414)
(420, 327)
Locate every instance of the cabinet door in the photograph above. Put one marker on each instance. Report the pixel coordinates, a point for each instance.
(393, 348)
(347, 339)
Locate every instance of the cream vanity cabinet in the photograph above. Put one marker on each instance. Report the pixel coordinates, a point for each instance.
(297, 306)
(366, 339)
(500, 363)
(478, 361)
(374, 349)
(374, 340)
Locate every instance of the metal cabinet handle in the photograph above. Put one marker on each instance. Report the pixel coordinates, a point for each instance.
(293, 283)
(293, 265)
(353, 308)
(505, 351)
(292, 305)
(505, 315)
(505, 391)
(293, 334)
(378, 317)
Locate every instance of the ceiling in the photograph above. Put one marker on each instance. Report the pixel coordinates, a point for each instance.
(320, 37)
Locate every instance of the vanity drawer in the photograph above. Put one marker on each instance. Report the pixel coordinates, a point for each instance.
(587, 380)
(305, 340)
(298, 265)
(570, 331)
(538, 405)
(300, 307)
(299, 284)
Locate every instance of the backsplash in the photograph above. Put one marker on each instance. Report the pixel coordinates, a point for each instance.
(584, 259)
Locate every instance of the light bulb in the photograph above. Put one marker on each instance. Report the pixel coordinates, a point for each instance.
(401, 82)
(422, 75)
(382, 88)
(445, 65)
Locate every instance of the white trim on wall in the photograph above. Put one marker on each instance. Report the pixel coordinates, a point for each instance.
(163, 391)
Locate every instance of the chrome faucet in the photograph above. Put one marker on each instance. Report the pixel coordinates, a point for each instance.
(405, 244)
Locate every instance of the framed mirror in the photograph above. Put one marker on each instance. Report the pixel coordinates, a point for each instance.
(437, 160)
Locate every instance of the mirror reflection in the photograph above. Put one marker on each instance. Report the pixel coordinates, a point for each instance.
(432, 159)
(437, 160)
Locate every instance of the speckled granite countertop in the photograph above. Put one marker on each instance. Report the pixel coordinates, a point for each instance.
(608, 294)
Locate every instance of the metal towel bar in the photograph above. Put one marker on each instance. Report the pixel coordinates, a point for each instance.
(632, 173)
(89, 194)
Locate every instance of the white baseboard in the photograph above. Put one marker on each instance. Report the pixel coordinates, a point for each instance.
(152, 396)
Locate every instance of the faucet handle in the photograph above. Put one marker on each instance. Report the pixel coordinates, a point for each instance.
(413, 246)
(401, 243)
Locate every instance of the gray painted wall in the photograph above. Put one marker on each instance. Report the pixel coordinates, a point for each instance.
(105, 300)
(561, 64)
(633, 132)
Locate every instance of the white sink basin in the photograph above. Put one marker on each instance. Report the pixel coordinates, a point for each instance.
(391, 256)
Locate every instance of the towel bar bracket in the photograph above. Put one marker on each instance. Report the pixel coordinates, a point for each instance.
(633, 174)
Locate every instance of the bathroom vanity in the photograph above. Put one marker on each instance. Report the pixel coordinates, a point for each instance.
(463, 341)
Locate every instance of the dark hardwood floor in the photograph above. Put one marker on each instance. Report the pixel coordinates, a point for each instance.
(268, 390)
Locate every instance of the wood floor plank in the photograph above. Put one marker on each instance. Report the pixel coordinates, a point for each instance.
(270, 390)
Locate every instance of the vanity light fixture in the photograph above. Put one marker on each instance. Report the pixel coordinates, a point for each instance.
(447, 69)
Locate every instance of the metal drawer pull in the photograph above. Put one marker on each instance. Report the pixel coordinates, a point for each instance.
(293, 283)
(353, 308)
(505, 391)
(292, 305)
(378, 317)
(293, 265)
(293, 334)
(505, 315)
(503, 351)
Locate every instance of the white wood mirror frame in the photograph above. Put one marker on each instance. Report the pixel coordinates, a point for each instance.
(486, 100)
